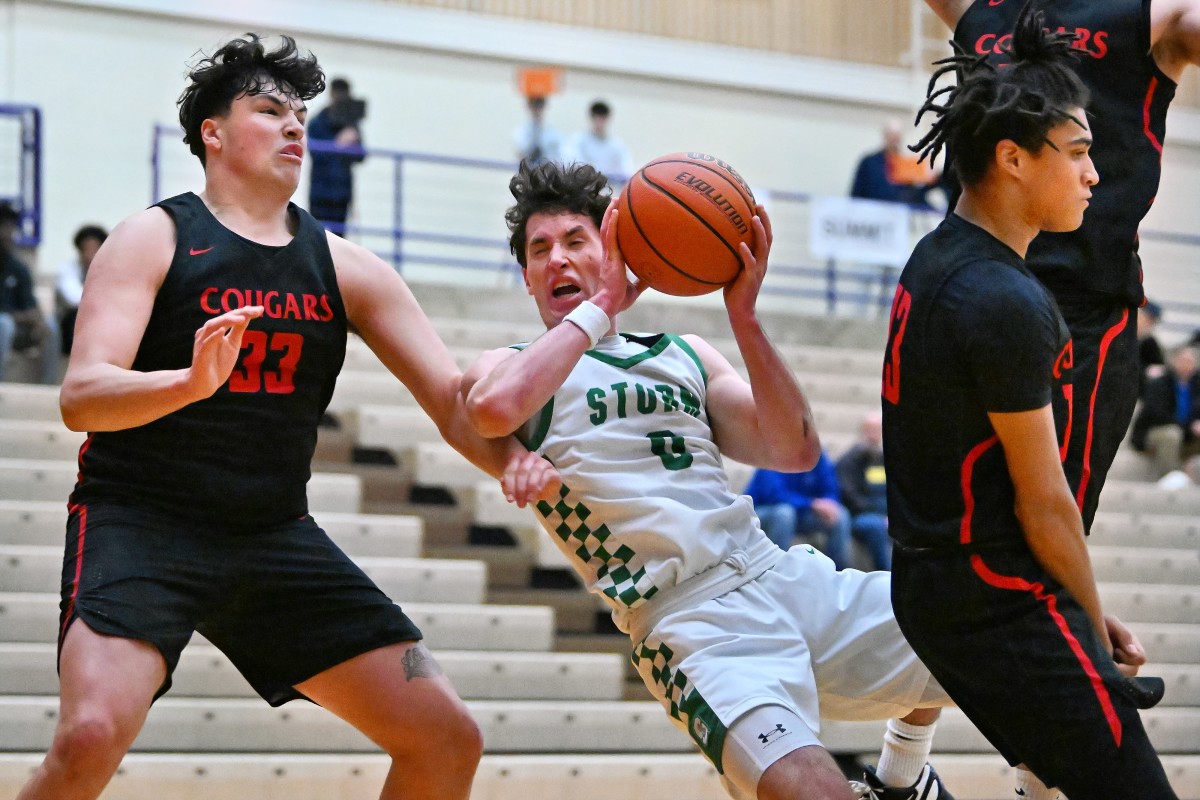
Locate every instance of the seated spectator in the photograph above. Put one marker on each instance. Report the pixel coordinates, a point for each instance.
(1186, 477)
(598, 147)
(23, 327)
(69, 286)
(800, 504)
(863, 481)
(893, 174)
(1167, 427)
(1150, 354)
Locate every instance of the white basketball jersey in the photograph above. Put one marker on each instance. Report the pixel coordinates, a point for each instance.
(645, 502)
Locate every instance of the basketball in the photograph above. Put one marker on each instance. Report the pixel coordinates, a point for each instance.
(680, 220)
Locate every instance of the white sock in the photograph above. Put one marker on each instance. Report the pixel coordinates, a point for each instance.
(905, 751)
(1029, 787)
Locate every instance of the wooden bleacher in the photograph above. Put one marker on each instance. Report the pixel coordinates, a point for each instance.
(548, 682)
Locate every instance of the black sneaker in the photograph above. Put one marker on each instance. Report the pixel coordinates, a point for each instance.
(928, 787)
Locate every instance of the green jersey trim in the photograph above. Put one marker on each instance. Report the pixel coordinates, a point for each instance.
(540, 429)
(687, 348)
(626, 363)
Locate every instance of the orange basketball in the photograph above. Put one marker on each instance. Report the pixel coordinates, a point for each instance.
(680, 220)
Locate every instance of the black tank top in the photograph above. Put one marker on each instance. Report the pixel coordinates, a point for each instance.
(240, 458)
(1128, 114)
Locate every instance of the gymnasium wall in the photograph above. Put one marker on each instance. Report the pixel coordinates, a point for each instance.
(443, 81)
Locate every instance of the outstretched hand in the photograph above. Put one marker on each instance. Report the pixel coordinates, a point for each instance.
(216, 347)
(615, 292)
(529, 478)
(741, 294)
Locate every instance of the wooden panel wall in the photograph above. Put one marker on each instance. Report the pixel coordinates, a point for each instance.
(802, 27)
(866, 31)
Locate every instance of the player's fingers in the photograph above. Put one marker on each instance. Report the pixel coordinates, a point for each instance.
(551, 486)
(521, 476)
(608, 224)
(761, 213)
(207, 337)
(1128, 670)
(608, 234)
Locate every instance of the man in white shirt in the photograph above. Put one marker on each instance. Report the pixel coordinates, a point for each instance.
(595, 146)
(68, 288)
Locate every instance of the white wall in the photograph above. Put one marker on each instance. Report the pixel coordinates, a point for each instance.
(104, 71)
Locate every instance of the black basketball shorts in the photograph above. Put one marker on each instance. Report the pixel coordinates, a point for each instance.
(1021, 659)
(284, 603)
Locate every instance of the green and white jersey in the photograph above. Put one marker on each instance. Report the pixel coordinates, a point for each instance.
(645, 503)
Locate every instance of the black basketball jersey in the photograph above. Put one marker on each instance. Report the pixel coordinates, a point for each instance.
(972, 331)
(1128, 115)
(241, 457)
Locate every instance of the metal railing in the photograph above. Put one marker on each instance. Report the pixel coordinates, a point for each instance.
(441, 218)
(23, 187)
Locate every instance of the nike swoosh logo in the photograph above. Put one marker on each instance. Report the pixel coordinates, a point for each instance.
(194, 252)
(995, 2)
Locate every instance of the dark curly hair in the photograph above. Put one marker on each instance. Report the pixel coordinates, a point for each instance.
(1021, 100)
(553, 188)
(244, 66)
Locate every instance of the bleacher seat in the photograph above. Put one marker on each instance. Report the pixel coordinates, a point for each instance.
(53, 479)
(33, 617)
(28, 668)
(554, 723)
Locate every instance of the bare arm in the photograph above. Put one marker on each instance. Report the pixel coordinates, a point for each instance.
(766, 422)
(949, 11)
(101, 392)
(382, 309)
(504, 388)
(1046, 509)
(1175, 35)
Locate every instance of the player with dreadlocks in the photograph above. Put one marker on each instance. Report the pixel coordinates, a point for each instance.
(991, 579)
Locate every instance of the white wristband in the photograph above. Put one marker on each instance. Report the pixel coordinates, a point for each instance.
(591, 319)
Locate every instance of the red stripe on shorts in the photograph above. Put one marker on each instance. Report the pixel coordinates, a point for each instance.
(1085, 475)
(78, 570)
(1039, 593)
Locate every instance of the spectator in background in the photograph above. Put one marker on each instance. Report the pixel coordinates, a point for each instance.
(1167, 427)
(23, 327)
(536, 141)
(892, 174)
(792, 504)
(1150, 352)
(597, 147)
(863, 482)
(1186, 477)
(331, 188)
(68, 288)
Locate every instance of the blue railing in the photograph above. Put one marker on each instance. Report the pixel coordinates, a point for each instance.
(432, 215)
(27, 198)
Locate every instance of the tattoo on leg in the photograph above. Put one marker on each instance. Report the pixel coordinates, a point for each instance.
(419, 663)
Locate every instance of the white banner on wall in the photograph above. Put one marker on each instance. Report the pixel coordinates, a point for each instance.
(860, 230)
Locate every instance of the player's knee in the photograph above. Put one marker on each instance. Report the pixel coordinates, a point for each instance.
(89, 740)
(454, 744)
(461, 740)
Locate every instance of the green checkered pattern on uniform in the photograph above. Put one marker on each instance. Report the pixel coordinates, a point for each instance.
(617, 580)
(685, 702)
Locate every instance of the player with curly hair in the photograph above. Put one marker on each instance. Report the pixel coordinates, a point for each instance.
(210, 334)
